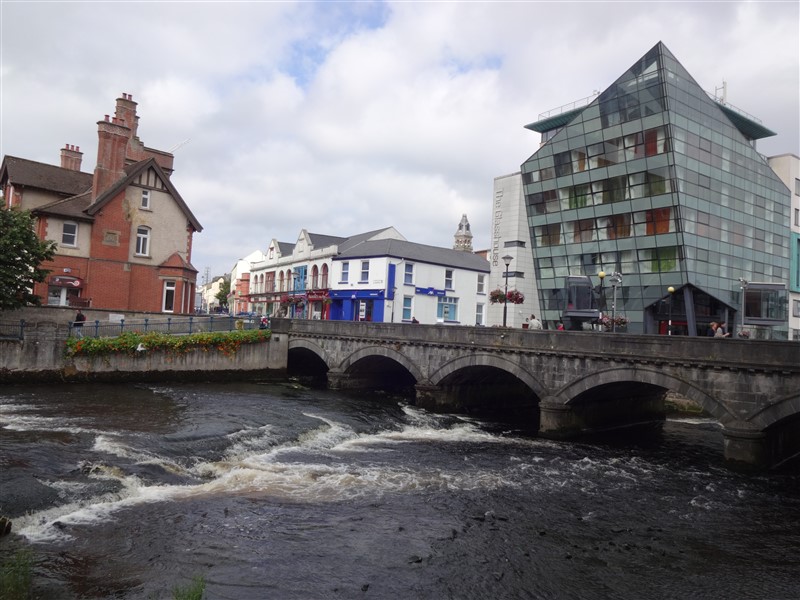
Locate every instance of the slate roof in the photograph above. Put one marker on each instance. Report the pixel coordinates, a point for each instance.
(73, 207)
(285, 248)
(319, 240)
(359, 238)
(21, 171)
(418, 253)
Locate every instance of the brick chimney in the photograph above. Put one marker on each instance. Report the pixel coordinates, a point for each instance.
(113, 135)
(71, 157)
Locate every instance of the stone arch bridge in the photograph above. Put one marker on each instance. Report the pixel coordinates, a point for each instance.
(566, 384)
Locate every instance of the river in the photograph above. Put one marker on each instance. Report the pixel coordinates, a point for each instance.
(276, 491)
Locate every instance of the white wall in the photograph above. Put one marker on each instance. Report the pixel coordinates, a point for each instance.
(787, 167)
(510, 227)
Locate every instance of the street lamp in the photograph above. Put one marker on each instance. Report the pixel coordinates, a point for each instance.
(507, 260)
(744, 283)
(614, 280)
(671, 291)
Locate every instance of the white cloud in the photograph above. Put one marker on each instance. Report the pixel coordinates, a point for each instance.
(347, 117)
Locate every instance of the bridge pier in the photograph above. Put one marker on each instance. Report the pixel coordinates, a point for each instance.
(339, 380)
(435, 399)
(557, 420)
(745, 444)
(560, 421)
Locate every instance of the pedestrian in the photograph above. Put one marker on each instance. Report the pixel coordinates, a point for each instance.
(720, 331)
(712, 329)
(77, 324)
(560, 326)
(535, 323)
(414, 320)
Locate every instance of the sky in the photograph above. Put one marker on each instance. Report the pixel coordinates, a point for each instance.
(345, 117)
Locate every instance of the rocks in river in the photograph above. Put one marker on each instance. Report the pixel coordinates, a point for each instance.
(5, 526)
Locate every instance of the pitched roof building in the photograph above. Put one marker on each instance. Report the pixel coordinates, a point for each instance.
(124, 233)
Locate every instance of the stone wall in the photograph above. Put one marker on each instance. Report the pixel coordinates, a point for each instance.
(40, 357)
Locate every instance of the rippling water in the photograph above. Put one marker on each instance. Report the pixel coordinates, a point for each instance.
(276, 491)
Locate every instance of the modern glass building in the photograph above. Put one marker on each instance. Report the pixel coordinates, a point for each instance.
(658, 186)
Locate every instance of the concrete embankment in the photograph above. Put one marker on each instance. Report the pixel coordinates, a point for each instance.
(41, 358)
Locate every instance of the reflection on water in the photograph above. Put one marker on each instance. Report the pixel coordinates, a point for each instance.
(270, 491)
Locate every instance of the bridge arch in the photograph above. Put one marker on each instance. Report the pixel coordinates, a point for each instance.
(619, 397)
(306, 344)
(483, 359)
(307, 359)
(569, 394)
(386, 352)
(776, 412)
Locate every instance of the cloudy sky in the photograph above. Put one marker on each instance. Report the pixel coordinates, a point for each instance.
(343, 117)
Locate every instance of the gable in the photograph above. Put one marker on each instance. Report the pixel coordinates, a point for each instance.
(655, 84)
(140, 172)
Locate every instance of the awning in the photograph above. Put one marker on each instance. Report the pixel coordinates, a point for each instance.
(66, 281)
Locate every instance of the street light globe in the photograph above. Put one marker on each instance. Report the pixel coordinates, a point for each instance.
(671, 290)
(507, 259)
(602, 275)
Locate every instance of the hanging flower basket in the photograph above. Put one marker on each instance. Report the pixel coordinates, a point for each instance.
(498, 296)
(617, 323)
(286, 299)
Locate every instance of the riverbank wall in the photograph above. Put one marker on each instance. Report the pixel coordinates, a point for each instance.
(41, 358)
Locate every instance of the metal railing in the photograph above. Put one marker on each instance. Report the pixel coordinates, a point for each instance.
(18, 330)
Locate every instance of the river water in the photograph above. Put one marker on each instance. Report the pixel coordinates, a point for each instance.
(276, 491)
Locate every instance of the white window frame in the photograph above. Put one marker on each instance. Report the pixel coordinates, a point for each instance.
(448, 279)
(65, 235)
(169, 287)
(479, 313)
(408, 307)
(481, 283)
(447, 308)
(408, 274)
(345, 272)
(145, 199)
(364, 272)
(142, 241)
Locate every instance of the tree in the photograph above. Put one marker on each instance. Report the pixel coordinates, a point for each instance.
(21, 254)
(222, 294)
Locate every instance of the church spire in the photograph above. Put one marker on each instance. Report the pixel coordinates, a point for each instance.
(463, 237)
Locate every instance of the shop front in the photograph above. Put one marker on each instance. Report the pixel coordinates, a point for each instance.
(65, 290)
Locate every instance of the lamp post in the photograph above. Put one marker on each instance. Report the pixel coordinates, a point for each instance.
(744, 284)
(671, 291)
(614, 280)
(602, 276)
(507, 260)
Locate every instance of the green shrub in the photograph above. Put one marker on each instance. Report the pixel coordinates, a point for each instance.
(16, 575)
(227, 342)
(192, 591)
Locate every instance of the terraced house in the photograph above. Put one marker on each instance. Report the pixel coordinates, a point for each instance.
(124, 233)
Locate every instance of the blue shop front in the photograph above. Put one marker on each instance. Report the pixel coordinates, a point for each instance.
(358, 305)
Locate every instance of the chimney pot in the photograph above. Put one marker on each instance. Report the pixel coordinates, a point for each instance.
(107, 118)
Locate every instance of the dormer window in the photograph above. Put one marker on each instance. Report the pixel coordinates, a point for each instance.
(146, 199)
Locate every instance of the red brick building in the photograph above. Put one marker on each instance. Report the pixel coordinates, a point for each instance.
(124, 233)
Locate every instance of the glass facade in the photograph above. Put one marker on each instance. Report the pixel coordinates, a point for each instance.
(660, 183)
